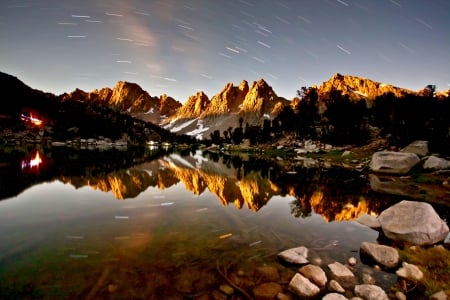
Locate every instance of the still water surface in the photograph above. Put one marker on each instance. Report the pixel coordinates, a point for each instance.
(174, 226)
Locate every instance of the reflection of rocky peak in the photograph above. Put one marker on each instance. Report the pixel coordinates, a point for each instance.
(228, 100)
(261, 101)
(358, 88)
(123, 184)
(194, 106)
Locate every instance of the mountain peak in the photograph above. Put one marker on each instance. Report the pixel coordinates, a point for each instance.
(357, 88)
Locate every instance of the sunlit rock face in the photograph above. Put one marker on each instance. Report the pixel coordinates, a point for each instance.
(228, 100)
(261, 101)
(129, 97)
(357, 88)
(194, 106)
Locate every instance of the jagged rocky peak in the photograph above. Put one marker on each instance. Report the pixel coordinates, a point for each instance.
(228, 100)
(194, 106)
(130, 96)
(261, 101)
(358, 88)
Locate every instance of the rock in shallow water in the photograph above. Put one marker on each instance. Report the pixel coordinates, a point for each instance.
(297, 255)
(302, 287)
(315, 274)
(386, 256)
(342, 274)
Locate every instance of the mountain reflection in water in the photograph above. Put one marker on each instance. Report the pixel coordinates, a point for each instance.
(251, 185)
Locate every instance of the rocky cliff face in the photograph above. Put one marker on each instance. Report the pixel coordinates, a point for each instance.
(358, 88)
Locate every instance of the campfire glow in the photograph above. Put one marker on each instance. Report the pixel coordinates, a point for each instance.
(31, 119)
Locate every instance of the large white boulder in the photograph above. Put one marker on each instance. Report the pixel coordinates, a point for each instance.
(390, 162)
(413, 222)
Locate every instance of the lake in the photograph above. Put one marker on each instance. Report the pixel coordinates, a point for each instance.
(161, 225)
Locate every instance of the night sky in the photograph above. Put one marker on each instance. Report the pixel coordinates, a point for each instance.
(180, 47)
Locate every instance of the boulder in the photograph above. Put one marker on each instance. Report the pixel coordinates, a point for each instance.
(390, 162)
(370, 292)
(369, 221)
(342, 274)
(302, 287)
(413, 222)
(417, 147)
(436, 163)
(383, 255)
(315, 274)
(410, 271)
(297, 255)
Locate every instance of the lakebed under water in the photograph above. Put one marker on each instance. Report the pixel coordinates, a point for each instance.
(171, 225)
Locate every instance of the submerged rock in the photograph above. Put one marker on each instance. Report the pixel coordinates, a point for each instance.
(297, 255)
(413, 222)
(390, 162)
(268, 291)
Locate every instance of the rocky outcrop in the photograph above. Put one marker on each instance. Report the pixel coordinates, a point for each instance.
(413, 222)
(389, 162)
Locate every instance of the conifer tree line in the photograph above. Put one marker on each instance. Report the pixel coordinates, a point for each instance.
(338, 120)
